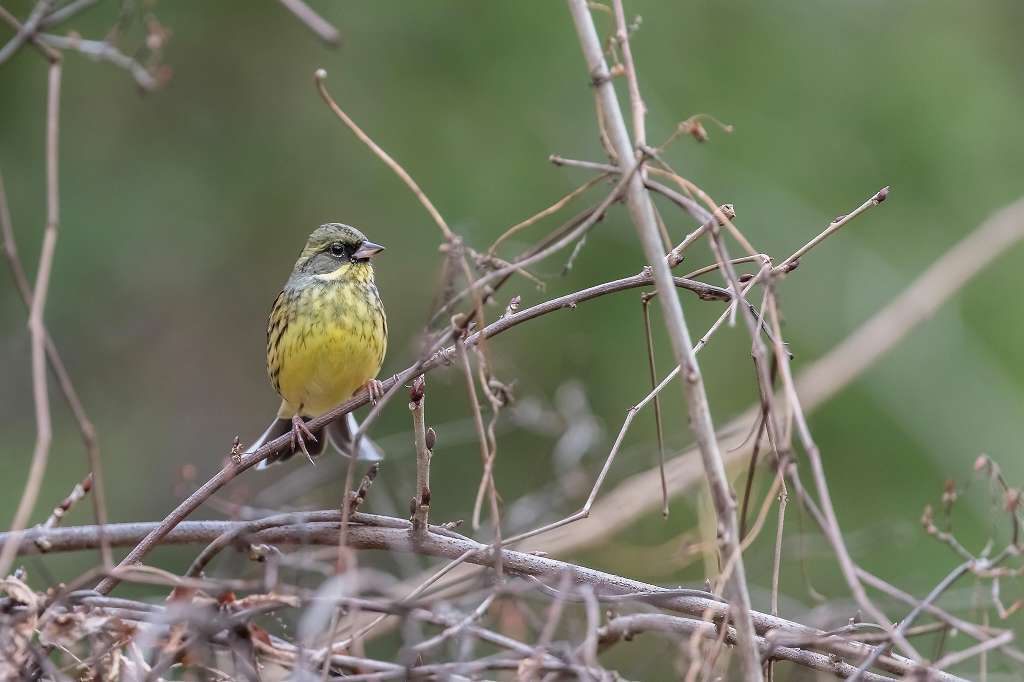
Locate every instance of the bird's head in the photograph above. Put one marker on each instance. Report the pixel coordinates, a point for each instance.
(335, 251)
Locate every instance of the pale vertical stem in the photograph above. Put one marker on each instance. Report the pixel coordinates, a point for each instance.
(60, 373)
(44, 429)
(777, 559)
(485, 452)
(421, 500)
(642, 213)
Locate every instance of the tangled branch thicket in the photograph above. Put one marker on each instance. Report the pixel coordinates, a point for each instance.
(500, 602)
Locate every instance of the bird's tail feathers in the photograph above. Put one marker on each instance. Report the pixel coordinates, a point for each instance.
(340, 431)
(278, 428)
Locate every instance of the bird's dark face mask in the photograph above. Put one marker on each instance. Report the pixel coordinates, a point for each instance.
(333, 250)
(337, 259)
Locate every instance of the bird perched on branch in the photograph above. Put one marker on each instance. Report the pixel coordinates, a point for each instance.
(326, 339)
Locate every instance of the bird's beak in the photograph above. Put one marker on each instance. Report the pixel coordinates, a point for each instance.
(367, 251)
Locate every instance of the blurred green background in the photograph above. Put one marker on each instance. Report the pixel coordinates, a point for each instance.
(183, 210)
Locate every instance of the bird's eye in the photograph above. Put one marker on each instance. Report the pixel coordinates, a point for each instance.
(337, 250)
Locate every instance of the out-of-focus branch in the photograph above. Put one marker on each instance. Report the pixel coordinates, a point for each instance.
(60, 372)
(36, 325)
(49, 45)
(627, 627)
(398, 536)
(62, 14)
(49, 53)
(26, 31)
(323, 29)
(102, 51)
(951, 272)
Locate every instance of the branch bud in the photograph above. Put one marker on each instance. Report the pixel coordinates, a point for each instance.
(418, 389)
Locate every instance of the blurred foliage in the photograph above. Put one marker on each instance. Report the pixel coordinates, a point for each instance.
(183, 210)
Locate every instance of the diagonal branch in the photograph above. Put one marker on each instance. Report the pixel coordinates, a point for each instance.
(26, 31)
(241, 463)
(323, 29)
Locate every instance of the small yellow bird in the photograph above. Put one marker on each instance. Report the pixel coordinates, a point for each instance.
(326, 339)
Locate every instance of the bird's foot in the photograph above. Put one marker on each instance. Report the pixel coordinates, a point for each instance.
(375, 389)
(300, 432)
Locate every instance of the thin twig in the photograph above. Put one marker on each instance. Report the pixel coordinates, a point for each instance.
(27, 30)
(62, 14)
(99, 50)
(457, 628)
(837, 224)
(44, 430)
(642, 214)
(49, 53)
(675, 256)
(323, 29)
(831, 527)
(626, 627)
(421, 498)
(85, 425)
(80, 490)
(319, 78)
(901, 629)
(653, 372)
(486, 454)
(979, 649)
(550, 210)
(636, 103)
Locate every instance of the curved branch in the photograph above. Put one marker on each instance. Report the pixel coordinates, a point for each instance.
(401, 538)
(626, 627)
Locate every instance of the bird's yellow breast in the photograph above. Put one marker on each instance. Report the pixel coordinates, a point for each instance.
(325, 341)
